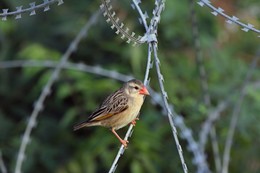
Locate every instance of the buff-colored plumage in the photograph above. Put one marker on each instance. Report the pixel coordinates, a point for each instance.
(118, 109)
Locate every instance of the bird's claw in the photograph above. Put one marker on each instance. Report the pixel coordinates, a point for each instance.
(124, 142)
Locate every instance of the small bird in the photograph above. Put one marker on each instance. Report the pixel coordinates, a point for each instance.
(118, 109)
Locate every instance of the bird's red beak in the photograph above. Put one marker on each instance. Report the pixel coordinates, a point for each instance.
(144, 91)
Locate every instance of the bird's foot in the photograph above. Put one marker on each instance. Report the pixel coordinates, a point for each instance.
(134, 121)
(124, 142)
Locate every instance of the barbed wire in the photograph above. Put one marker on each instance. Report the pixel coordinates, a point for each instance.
(159, 7)
(2, 164)
(156, 97)
(203, 81)
(143, 16)
(32, 9)
(229, 19)
(169, 113)
(198, 55)
(119, 26)
(151, 39)
(209, 123)
(130, 129)
(47, 90)
(235, 115)
(213, 115)
(146, 82)
(185, 132)
(68, 65)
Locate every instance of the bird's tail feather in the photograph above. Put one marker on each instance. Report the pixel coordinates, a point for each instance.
(84, 124)
(80, 125)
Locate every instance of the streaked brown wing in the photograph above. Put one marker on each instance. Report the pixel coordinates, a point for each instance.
(114, 104)
(110, 99)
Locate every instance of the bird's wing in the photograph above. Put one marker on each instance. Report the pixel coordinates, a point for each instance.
(116, 103)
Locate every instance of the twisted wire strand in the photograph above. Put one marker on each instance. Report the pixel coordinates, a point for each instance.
(47, 89)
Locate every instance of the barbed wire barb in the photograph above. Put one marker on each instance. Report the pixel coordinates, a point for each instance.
(119, 26)
(143, 16)
(47, 89)
(31, 10)
(229, 19)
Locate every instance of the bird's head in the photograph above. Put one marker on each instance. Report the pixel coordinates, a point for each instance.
(135, 87)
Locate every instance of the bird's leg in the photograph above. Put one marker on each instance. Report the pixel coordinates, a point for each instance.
(124, 142)
(134, 121)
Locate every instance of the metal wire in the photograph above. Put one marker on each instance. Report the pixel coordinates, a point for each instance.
(47, 89)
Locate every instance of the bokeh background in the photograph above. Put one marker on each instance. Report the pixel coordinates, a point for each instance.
(227, 53)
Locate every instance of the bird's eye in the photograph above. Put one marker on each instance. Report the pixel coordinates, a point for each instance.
(136, 87)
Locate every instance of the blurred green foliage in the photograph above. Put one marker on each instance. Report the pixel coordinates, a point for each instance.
(54, 147)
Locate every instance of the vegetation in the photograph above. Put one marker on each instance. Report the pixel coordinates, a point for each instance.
(232, 73)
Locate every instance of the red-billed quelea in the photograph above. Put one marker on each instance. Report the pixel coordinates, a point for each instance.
(118, 109)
